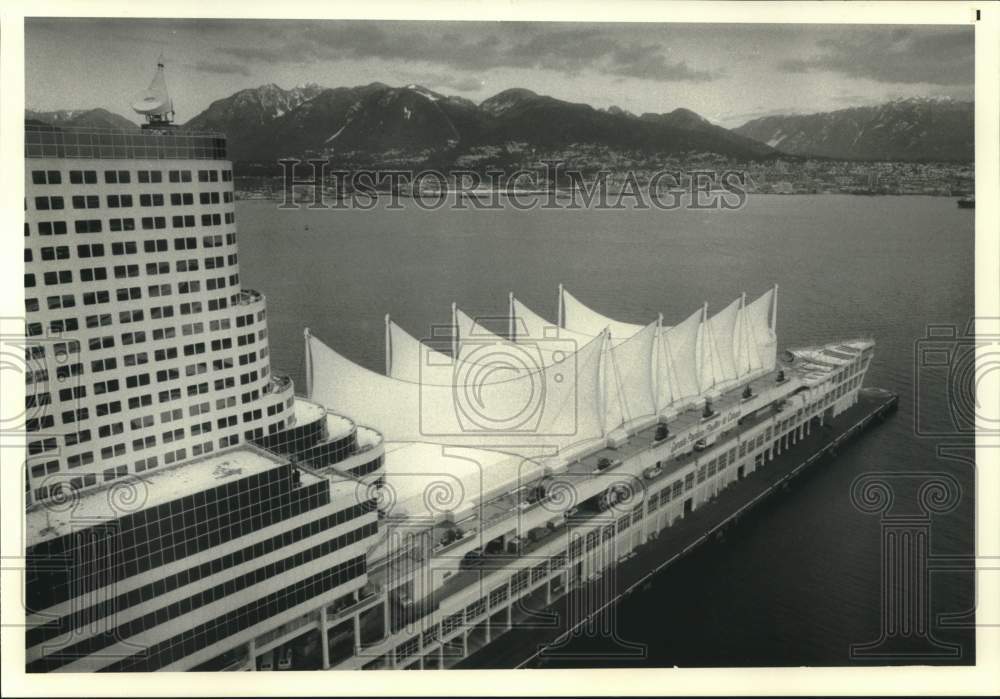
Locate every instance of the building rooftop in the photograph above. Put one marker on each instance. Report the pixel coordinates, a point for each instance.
(51, 519)
(814, 364)
(367, 437)
(586, 512)
(306, 411)
(167, 143)
(338, 426)
(432, 481)
(507, 479)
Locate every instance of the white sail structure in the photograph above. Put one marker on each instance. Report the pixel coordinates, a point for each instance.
(745, 349)
(631, 360)
(552, 387)
(530, 326)
(550, 342)
(470, 329)
(722, 331)
(707, 360)
(580, 318)
(627, 366)
(484, 356)
(678, 356)
(555, 409)
(409, 359)
(702, 356)
(760, 318)
(547, 338)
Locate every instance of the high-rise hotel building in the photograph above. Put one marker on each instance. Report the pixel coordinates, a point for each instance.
(182, 505)
(132, 286)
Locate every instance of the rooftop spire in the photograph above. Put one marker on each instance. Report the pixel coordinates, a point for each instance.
(155, 103)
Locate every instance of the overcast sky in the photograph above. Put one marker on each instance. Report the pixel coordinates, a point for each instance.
(728, 73)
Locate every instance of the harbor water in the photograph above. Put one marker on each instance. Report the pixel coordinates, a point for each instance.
(799, 582)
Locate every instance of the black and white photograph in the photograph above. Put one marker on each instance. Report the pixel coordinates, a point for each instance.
(500, 343)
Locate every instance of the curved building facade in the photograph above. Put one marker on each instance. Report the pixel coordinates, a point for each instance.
(184, 510)
(144, 348)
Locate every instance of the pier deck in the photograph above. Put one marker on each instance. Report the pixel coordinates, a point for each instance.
(520, 646)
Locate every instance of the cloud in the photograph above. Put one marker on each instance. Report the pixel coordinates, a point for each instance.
(221, 68)
(459, 83)
(442, 81)
(935, 55)
(644, 63)
(496, 45)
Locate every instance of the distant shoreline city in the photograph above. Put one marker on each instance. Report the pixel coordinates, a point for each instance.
(779, 176)
(907, 146)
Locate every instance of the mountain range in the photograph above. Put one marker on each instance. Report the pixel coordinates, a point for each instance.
(268, 122)
(94, 118)
(910, 129)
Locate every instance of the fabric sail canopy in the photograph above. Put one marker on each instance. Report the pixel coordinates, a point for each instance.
(476, 343)
(415, 361)
(555, 408)
(721, 334)
(678, 362)
(760, 329)
(746, 357)
(485, 357)
(591, 384)
(698, 357)
(409, 359)
(634, 373)
(550, 343)
(526, 325)
(469, 328)
(579, 318)
(627, 368)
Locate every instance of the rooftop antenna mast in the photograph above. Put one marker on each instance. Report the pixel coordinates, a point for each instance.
(155, 103)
